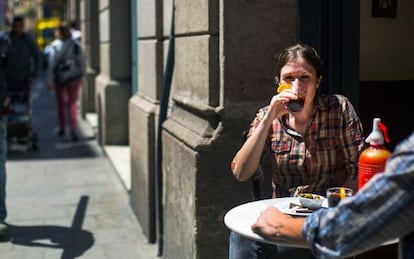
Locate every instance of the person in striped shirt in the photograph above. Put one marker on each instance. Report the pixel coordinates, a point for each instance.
(381, 211)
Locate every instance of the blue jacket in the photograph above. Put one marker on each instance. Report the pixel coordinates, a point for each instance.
(23, 58)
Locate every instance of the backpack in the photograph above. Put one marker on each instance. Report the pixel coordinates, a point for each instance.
(68, 68)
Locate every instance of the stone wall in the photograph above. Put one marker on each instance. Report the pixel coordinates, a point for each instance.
(113, 88)
(224, 69)
(143, 112)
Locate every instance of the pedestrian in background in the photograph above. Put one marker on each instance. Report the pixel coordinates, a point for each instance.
(74, 29)
(66, 95)
(20, 63)
(23, 58)
(4, 45)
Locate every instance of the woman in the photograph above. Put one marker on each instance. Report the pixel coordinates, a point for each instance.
(66, 95)
(318, 146)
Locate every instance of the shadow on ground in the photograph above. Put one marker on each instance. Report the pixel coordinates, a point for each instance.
(72, 240)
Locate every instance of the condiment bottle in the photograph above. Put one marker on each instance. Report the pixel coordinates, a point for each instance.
(372, 160)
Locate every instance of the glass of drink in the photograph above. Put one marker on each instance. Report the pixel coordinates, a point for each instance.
(336, 194)
(300, 91)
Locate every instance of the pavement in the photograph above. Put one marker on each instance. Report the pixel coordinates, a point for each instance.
(65, 199)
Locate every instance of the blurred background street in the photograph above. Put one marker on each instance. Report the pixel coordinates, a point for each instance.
(65, 200)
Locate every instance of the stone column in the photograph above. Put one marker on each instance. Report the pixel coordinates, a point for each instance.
(90, 42)
(73, 9)
(143, 112)
(224, 70)
(113, 82)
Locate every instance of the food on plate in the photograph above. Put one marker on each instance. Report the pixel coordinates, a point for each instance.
(297, 208)
(307, 200)
(309, 196)
(294, 192)
(313, 203)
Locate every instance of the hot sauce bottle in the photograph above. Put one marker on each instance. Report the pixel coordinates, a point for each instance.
(373, 159)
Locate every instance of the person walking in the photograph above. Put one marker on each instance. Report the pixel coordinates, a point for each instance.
(74, 29)
(23, 58)
(4, 45)
(64, 47)
(20, 62)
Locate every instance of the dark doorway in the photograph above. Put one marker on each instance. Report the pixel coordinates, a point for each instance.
(332, 28)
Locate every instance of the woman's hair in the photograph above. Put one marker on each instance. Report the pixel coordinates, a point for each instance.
(299, 50)
(64, 30)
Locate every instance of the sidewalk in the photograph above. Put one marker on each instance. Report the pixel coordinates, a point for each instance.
(66, 200)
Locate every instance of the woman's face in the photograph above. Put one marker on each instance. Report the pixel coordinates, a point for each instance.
(305, 74)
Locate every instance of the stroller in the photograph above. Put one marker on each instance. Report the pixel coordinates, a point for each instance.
(19, 124)
(17, 105)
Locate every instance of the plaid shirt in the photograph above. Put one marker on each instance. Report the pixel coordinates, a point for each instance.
(327, 155)
(382, 210)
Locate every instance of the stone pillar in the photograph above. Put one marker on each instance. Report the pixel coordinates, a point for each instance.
(143, 112)
(73, 10)
(113, 82)
(90, 42)
(224, 70)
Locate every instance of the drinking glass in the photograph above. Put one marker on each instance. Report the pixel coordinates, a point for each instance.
(336, 194)
(300, 91)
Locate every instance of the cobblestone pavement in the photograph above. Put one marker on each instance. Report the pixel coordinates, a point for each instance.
(65, 200)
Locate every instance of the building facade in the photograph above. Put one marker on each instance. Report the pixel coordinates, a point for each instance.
(223, 69)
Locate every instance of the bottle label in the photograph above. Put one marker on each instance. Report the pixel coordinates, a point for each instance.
(366, 172)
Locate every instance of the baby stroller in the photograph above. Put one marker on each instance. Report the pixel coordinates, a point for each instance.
(17, 105)
(19, 124)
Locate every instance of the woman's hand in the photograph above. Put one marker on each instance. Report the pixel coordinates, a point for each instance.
(277, 106)
(247, 159)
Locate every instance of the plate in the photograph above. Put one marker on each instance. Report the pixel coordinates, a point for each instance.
(284, 206)
(240, 218)
(297, 211)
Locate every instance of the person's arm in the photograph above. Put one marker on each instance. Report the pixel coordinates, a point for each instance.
(275, 225)
(247, 159)
(52, 57)
(381, 211)
(81, 57)
(35, 55)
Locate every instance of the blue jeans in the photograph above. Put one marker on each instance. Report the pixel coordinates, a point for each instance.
(243, 248)
(3, 157)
